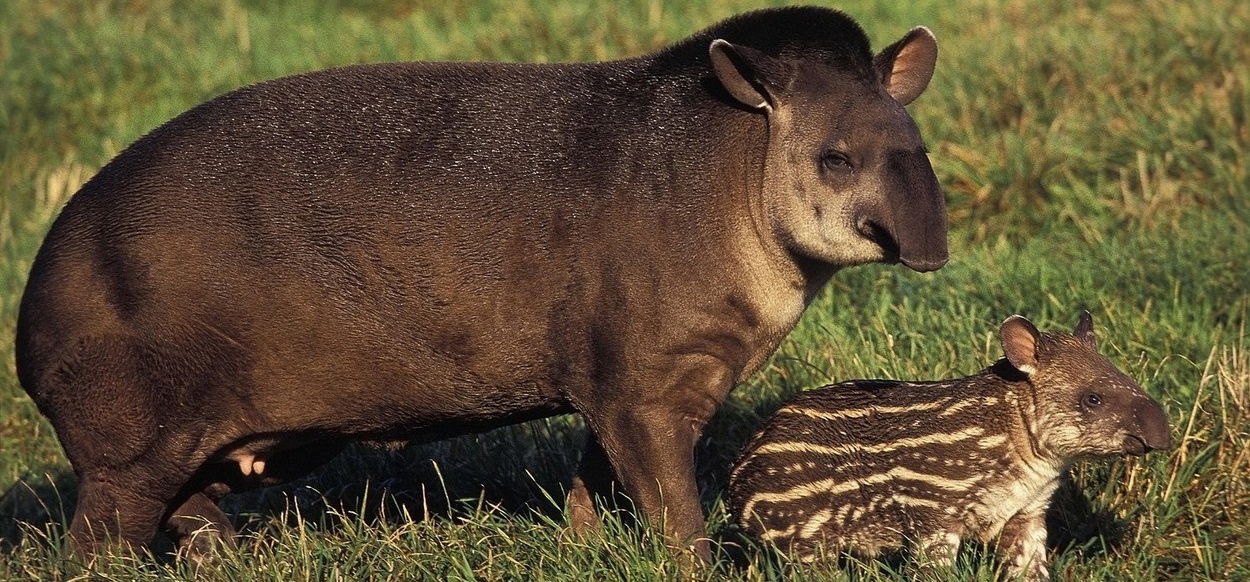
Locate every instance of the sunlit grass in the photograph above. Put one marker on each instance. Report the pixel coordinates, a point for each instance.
(1094, 155)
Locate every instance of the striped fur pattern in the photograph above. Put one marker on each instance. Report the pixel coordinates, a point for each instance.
(870, 466)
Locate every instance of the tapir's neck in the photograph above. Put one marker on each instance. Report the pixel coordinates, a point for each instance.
(815, 275)
(1022, 401)
(719, 154)
(793, 280)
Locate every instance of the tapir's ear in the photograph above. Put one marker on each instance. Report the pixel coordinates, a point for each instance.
(906, 66)
(750, 76)
(1020, 339)
(1085, 329)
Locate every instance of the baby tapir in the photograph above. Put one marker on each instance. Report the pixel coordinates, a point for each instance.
(868, 466)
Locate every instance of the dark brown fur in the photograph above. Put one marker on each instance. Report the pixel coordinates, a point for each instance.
(421, 250)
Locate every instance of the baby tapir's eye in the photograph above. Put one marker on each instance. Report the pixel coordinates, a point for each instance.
(1093, 400)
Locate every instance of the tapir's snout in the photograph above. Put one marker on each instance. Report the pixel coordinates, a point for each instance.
(917, 211)
(1151, 431)
(924, 265)
(1154, 426)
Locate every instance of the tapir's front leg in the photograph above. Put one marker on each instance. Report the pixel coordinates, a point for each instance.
(1022, 545)
(649, 431)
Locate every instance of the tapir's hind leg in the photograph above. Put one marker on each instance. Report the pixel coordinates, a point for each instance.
(129, 469)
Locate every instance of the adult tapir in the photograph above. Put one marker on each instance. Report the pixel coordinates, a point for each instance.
(418, 250)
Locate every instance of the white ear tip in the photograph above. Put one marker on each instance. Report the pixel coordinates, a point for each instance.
(925, 31)
(1027, 369)
(719, 43)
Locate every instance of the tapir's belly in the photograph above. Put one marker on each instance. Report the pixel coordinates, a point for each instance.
(423, 376)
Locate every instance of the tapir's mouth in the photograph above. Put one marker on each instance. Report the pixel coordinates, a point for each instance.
(882, 238)
(1135, 445)
(891, 250)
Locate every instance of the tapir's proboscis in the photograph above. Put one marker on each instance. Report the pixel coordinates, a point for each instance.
(419, 250)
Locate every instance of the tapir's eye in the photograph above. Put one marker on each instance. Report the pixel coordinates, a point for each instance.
(834, 160)
(1093, 400)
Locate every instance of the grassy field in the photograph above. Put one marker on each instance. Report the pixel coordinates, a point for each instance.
(1093, 154)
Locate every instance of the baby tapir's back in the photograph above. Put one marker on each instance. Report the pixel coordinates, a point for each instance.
(867, 465)
(871, 465)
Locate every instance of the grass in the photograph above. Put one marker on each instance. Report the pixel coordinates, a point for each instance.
(1093, 153)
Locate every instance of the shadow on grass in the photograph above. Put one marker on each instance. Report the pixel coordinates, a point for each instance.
(1076, 525)
(520, 470)
(36, 504)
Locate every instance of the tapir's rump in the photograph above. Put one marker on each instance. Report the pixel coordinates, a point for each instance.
(420, 250)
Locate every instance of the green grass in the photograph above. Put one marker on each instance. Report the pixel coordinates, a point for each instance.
(1094, 155)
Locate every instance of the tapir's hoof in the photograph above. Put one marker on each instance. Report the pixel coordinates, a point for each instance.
(200, 546)
(584, 523)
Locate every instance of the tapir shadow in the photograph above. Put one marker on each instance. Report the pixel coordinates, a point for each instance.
(37, 505)
(518, 469)
(522, 469)
(1074, 524)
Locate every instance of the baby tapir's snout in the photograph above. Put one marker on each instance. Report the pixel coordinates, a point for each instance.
(1150, 429)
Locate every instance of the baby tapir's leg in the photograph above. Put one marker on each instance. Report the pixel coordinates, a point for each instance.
(1022, 545)
(937, 551)
(197, 525)
(593, 479)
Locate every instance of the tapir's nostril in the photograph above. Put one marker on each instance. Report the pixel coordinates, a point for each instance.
(875, 232)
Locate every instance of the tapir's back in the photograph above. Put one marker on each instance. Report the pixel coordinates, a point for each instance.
(391, 151)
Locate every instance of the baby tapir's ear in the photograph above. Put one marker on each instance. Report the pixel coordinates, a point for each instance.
(1085, 329)
(1019, 339)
